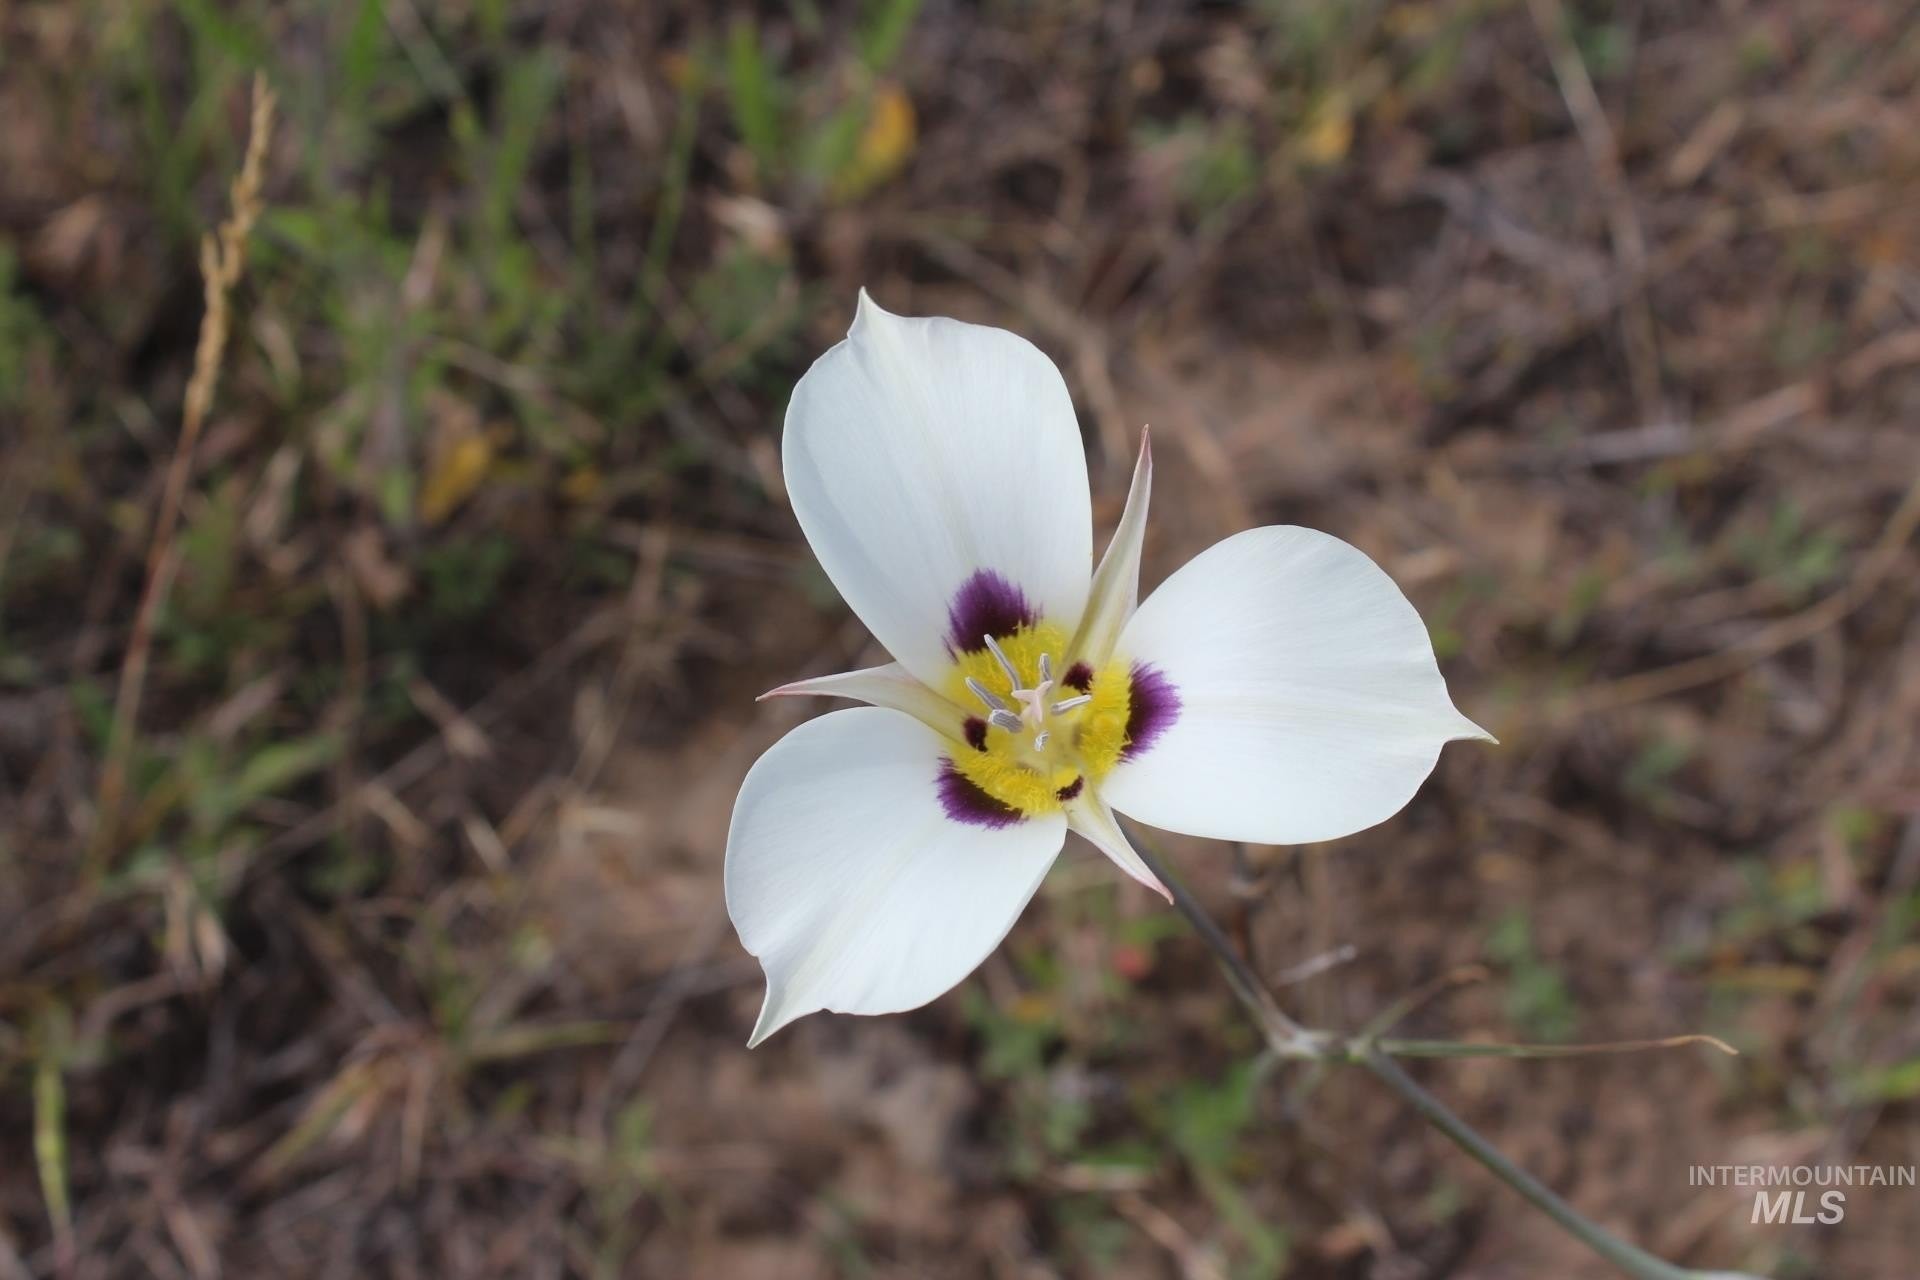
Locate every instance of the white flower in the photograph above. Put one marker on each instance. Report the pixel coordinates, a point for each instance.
(1279, 689)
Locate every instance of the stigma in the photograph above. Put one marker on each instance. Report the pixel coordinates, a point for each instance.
(1041, 727)
(1037, 712)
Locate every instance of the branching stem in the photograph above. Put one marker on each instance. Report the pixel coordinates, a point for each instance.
(1288, 1039)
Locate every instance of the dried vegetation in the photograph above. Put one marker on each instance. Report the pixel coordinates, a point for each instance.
(397, 946)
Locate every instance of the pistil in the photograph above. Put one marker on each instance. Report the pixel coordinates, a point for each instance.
(1035, 713)
(1045, 728)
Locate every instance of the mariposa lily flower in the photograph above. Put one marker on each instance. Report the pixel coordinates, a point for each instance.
(1278, 689)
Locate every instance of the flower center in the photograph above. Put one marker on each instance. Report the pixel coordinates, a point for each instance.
(1042, 728)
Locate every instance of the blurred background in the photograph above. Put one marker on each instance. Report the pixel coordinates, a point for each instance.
(398, 949)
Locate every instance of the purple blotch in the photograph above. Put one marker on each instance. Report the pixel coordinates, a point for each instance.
(966, 802)
(986, 605)
(1071, 790)
(976, 733)
(1079, 676)
(1153, 704)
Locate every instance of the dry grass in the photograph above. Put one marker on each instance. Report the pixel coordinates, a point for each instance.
(222, 257)
(1599, 328)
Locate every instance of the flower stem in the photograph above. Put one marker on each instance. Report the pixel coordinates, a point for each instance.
(1288, 1039)
(1631, 1260)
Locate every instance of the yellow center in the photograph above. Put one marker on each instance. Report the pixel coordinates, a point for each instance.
(1029, 767)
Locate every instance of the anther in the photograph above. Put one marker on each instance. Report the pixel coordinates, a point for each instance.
(1040, 740)
(1003, 719)
(1068, 704)
(1006, 666)
(986, 695)
(1046, 668)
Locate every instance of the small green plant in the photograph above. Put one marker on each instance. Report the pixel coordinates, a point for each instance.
(1205, 1122)
(1538, 1001)
(837, 145)
(1786, 552)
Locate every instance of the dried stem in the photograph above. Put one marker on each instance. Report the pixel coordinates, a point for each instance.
(1878, 564)
(1288, 1039)
(1623, 223)
(223, 256)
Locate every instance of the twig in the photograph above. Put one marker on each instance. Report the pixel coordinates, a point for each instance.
(427, 755)
(1160, 1226)
(1315, 965)
(662, 1008)
(1623, 224)
(1287, 1039)
(223, 256)
(1493, 1049)
(1783, 634)
(1397, 1012)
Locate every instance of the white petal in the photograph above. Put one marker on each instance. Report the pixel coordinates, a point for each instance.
(1116, 583)
(1310, 703)
(1090, 816)
(889, 686)
(848, 880)
(921, 453)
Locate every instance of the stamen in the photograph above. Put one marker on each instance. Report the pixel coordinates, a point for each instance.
(986, 695)
(1046, 668)
(1068, 704)
(1002, 719)
(1001, 656)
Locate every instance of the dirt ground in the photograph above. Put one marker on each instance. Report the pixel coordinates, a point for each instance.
(381, 934)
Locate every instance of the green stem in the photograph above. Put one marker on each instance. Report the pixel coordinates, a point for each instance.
(1288, 1039)
(1631, 1260)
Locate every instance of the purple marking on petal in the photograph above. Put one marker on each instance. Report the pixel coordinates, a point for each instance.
(1079, 676)
(976, 733)
(1153, 704)
(986, 605)
(966, 802)
(1071, 790)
